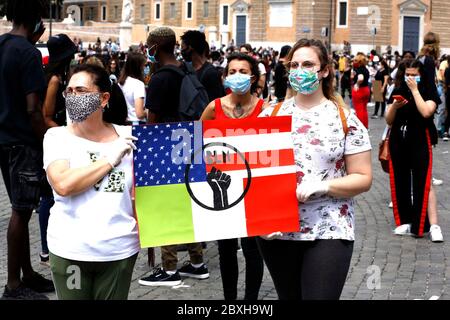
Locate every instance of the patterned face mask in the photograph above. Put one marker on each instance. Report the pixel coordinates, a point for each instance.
(304, 81)
(80, 107)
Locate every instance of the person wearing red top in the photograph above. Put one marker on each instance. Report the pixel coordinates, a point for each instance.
(242, 79)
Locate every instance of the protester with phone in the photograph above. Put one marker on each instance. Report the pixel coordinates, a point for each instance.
(410, 115)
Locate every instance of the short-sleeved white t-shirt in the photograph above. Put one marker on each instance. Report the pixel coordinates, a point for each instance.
(262, 68)
(98, 224)
(319, 148)
(132, 89)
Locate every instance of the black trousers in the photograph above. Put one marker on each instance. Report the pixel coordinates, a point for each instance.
(410, 174)
(229, 269)
(377, 107)
(447, 106)
(307, 270)
(346, 86)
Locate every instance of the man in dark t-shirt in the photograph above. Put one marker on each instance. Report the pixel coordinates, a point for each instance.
(194, 49)
(22, 129)
(162, 102)
(163, 95)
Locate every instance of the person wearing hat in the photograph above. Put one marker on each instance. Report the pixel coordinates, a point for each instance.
(61, 51)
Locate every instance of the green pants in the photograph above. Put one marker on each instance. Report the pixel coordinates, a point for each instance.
(81, 280)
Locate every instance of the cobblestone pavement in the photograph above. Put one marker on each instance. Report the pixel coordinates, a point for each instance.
(409, 268)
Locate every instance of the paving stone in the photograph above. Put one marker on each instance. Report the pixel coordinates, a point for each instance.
(410, 268)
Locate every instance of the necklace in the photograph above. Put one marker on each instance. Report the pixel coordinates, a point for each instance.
(238, 111)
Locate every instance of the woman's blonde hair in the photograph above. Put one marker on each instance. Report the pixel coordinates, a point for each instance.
(95, 61)
(360, 59)
(431, 45)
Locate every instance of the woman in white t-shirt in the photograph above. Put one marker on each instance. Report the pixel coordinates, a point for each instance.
(333, 159)
(92, 233)
(131, 82)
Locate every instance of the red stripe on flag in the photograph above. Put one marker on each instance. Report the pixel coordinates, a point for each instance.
(247, 126)
(257, 159)
(273, 208)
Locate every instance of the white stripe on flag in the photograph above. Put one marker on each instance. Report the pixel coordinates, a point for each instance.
(257, 142)
(262, 172)
(211, 225)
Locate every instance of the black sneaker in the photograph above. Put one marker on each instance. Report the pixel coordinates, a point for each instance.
(188, 270)
(39, 284)
(22, 293)
(161, 278)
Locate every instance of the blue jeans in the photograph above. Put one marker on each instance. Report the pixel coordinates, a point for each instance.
(46, 204)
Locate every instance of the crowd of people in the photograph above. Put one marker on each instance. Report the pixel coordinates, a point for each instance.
(72, 118)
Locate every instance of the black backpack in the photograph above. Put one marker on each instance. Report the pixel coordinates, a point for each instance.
(193, 95)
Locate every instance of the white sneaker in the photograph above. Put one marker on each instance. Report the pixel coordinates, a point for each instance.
(403, 230)
(391, 205)
(436, 233)
(437, 182)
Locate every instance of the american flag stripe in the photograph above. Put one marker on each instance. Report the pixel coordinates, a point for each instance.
(255, 142)
(255, 160)
(243, 127)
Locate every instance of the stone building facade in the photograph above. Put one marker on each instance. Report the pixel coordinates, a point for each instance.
(366, 24)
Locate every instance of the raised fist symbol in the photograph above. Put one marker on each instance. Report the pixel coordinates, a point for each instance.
(219, 183)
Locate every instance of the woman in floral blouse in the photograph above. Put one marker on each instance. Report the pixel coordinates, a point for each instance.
(333, 159)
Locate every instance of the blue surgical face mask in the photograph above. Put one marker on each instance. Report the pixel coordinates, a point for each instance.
(238, 83)
(417, 78)
(151, 58)
(304, 81)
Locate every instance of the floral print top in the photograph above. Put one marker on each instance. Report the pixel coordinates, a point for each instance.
(319, 148)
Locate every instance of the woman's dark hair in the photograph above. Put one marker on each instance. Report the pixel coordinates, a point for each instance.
(247, 47)
(99, 76)
(325, 64)
(400, 77)
(412, 53)
(108, 68)
(384, 64)
(26, 12)
(116, 111)
(133, 67)
(215, 55)
(253, 67)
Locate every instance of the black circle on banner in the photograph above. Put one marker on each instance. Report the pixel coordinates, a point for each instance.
(188, 168)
